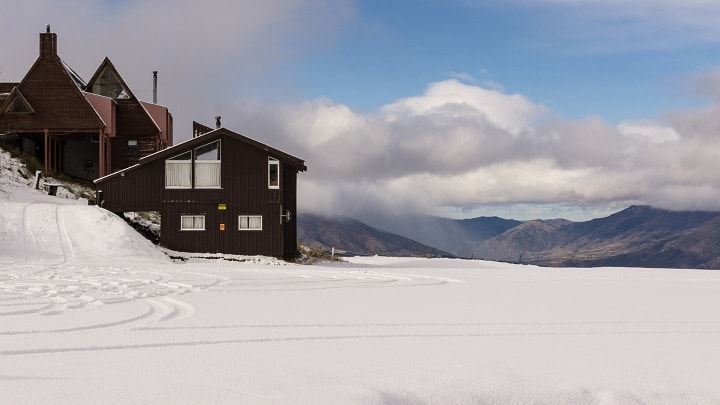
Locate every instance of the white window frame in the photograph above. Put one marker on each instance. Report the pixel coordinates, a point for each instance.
(177, 162)
(194, 222)
(273, 162)
(208, 171)
(248, 222)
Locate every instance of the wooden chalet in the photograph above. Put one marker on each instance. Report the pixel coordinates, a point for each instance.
(84, 130)
(219, 192)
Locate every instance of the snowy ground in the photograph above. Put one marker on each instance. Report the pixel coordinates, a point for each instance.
(91, 313)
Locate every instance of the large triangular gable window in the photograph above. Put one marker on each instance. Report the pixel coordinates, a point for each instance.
(108, 84)
(17, 104)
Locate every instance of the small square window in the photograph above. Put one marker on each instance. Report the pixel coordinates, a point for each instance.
(192, 222)
(250, 223)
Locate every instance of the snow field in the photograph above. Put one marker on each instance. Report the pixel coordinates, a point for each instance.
(406, 331)
(90, 312)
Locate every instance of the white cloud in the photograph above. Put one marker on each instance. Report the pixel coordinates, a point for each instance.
(464, 146)
(650, 131)
(453, 99)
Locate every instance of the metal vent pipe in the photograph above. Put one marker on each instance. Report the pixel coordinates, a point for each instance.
(154, 86)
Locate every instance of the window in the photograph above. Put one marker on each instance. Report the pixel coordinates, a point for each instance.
(207, 166)
(197, 168)
(178, 171)
(18, 104)
(273, 173)
(108, 84)
(250, 223)
(192, 222)
(132, 147)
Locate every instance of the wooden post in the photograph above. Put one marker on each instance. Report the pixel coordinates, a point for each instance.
(47, 152)
(101, 153)
(56, 154)
(108, 155)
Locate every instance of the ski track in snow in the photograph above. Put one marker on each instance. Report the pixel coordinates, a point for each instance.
(58, 289)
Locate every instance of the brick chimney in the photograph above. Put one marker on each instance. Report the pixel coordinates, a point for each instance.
(48, 43)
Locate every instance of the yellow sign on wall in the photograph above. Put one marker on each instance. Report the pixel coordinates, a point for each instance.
(222, 207)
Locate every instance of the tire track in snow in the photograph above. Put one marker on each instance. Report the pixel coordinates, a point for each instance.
(218, 280)
(325, 280)
(28, 237)
(52, 350)
(434, 325)
(39, 309)
(150, 311)
(173, 309)
(38, 220)
(65, 241)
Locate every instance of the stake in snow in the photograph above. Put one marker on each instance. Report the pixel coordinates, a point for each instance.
(92, 313)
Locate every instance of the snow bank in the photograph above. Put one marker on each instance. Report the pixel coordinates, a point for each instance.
(40, 232)
(38, 228)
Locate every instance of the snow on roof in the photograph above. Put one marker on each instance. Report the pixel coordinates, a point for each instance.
(76, 77)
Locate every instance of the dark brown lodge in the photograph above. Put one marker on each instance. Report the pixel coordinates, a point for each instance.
(219, 192)
(84, 130)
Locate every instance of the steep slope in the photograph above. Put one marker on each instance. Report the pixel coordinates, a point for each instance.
(352, 236)
(530, 236)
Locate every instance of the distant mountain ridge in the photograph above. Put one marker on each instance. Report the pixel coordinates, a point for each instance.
(351, 236)
(459, 237)
(639, 236)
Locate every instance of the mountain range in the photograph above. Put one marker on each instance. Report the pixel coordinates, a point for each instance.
(639, 236)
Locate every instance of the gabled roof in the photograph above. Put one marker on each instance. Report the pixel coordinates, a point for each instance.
(209, 136)
(72, 86)
(106, 75)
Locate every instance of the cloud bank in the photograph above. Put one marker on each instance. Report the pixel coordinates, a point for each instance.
(464, 146)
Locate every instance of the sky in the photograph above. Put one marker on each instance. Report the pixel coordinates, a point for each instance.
(518, 108)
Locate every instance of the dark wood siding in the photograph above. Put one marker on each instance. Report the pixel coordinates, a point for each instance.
(134, 190)
(244, 191)
(121, 158)
(133, 120)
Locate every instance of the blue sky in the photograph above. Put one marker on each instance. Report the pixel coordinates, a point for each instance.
(518, 108)
(395, 48)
